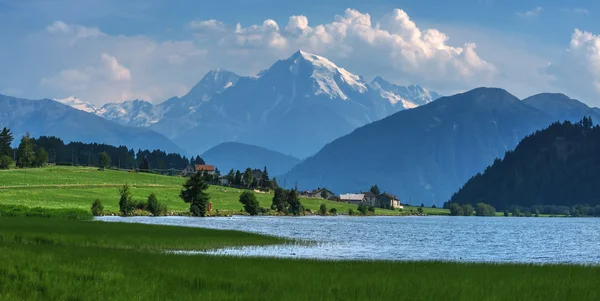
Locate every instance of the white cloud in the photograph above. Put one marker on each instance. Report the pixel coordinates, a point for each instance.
(100, 68)
(578, 71)
(530, 13)
(393, 44)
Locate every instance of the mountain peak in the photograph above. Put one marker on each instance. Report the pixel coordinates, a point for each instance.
(77, 103)
(330, 79)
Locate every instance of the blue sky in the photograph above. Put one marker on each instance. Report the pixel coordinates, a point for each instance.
(105, 51)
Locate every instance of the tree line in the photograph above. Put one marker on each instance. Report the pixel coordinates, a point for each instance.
(554, 170)
(49, 149)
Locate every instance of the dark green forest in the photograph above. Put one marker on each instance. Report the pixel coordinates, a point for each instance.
(555, 169)
(78, 153)
(52, 150)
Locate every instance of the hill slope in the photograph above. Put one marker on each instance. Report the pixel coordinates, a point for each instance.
(556, 166)
(427, 153)
(239, 156)
(50, 118)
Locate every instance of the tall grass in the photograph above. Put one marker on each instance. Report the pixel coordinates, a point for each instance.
(52, 272)
(23, 211)
(95, 234)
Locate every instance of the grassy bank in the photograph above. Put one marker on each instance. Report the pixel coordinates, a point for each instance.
(71, 260)
(78, 187)
(92, 234)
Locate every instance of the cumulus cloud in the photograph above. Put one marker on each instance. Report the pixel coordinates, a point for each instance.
(99, 67)
(530, 13)
(578, 71)
(390, 45)
(107, 73)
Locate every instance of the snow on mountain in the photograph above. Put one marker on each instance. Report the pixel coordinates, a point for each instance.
(78, 104)
(134, 112)
(327, 75)
(410, 96)
(305, 89)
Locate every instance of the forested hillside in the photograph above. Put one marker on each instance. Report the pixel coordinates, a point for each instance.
(556, 166)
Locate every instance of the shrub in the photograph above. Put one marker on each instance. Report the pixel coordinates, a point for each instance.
(455, 209)
(323, 209)
(333, 211)
(126, 204)
(420, 210)
(251, 205)
(537, 213)
(467, 210)
(362, 208)
(6, 162)
(97, 208)
(372, 209)
(482, 209)
(263, 210)
(350, 211)
(433, 206)
(156, 208)
(516, 212)
(506, 212)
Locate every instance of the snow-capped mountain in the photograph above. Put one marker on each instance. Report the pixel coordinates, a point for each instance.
(306, 97)
(78, 104)
(409, 96)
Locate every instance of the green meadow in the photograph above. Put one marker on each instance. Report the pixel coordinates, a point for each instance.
(53, 259)
(77, 187)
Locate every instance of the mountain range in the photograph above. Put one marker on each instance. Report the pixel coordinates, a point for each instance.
(305, 100)
(239, 156)
(50, 118)
(427, 153)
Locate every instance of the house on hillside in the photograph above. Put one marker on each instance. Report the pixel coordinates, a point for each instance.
(192, 170)
(352, 198)
(334, 198)
(385, 199)
(257, 176)
(322, 193)
(209, 169)
(370, 198)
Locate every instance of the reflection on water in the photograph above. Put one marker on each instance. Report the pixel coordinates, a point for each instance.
(495, 239)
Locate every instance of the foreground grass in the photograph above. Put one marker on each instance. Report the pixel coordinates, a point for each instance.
(51, 259)
(73, 233)
(49, 272)
(78, 187)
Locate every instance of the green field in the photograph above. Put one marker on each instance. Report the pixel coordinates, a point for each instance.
(50, 259)
(78, 187)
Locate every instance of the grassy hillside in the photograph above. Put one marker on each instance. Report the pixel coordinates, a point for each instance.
(78, 187)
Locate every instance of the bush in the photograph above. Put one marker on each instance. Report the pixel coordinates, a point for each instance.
(251, 205)
(362, 208)
(97, 208)
(333, 211)
(516, 212)
(372, 209)
(126, 204)
(350, 211)
(6, 162)
(455, 209)
(154, 207)
(433, 206)
(263, 210)
(323, 209)
(467, 210)
(420, 210)
(506, 212)
(482, 209)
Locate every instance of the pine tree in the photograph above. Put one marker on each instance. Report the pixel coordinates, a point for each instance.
(265, 178)
(41, 157)
(248, 177)
(25, 152)
(194, 193)
(375, 190)
(6, 139)
(295, 207)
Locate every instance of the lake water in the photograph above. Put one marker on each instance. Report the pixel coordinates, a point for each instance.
(481, 239)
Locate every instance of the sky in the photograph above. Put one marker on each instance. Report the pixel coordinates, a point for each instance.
(111, 51)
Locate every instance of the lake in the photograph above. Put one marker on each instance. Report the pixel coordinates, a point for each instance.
(481, 239)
